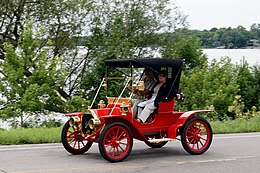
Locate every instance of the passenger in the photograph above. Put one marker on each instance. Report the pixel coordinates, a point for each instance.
(160, 92)
(149, 83)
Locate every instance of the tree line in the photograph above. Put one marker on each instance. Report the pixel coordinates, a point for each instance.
(43, 69)
(230, 38)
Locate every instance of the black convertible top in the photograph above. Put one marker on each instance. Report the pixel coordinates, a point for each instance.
(173, 66)
(152, 63)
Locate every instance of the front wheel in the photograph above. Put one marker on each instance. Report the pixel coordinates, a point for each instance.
(196, 136)
(73, 141)
(115, 142)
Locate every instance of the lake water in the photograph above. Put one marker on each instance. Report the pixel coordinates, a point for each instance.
(252, 56)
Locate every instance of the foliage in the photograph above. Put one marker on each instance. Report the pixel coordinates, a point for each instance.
(237, 107)
(33, 78)
(76, 104)
(237, 126)
(256, 74)
(124, 29)
(231, 90)
(64, 20)
(183, 45)
(51, 123)
(248, 80)
(229, 38)
(255, 31)
(30, 78)
(30, 136)
(213, 86)
(110, 28)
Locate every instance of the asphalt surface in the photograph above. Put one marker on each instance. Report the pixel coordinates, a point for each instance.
(237, 153)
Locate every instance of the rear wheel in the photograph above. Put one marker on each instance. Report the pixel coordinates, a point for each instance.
(156, 144)
(196, 136)
(73, 141)
(115, 142)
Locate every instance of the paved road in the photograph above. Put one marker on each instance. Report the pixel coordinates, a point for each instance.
(237, 153)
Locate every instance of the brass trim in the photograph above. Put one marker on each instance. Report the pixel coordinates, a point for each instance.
(97, 93)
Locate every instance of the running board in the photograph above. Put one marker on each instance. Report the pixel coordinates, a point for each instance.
(160, 140)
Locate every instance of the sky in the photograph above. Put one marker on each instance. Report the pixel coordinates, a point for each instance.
(207, 14)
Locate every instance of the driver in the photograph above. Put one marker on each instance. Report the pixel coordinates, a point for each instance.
(149, 83)
(160, 92)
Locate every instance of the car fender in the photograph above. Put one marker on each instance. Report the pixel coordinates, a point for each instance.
(118, 118)
(75, 117)
(172, 131)
(79, 114)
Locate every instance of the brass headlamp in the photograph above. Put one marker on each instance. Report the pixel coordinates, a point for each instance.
(92, 123)
(74, 120)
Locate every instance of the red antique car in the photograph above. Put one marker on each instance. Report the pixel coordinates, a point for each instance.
(113, 127)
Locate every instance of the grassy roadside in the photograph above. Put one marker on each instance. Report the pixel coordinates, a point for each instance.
(30, 136)
(236, 126)
(51, 135)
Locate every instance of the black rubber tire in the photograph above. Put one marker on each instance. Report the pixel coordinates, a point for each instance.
(156, 145)
(76, 140)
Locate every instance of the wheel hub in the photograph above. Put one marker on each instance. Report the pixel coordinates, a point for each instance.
(115, 142)
(77, 136)
(197, 136)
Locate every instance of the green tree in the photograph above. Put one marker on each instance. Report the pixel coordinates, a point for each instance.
(255, 31)
(227, 37)
(30, 78)
(125, 29)
(65, 21)
(213, 86)
(184, 45)
(248, 85)
(256, 74)
(108, 29)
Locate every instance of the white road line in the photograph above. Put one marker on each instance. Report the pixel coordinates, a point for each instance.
(29, 147)
(237, 136)
(216, 160)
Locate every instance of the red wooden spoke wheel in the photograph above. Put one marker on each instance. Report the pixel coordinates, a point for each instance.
(115, 142)
(73, 141)
(196, 136)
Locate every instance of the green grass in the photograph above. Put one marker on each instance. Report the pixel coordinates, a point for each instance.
(30, 136)
(236, 126)
(51, 135)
